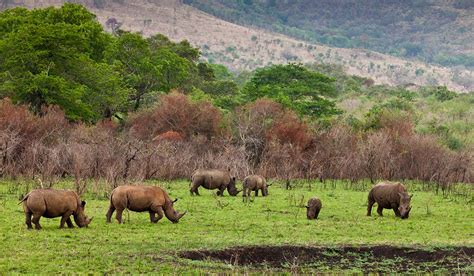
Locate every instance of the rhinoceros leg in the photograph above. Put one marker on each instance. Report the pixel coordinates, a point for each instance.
(221, 190)
(256, 193)
(397, 213)
(110, 213)
(194, 189)
(379, 211)
(28, 220)
(36, 219)
(159, 212)
(369, 206)
(245, 195)
(152, 217)
(64, 218)
(118, 215)
(395, 210)
(69, 223)
(316, 214)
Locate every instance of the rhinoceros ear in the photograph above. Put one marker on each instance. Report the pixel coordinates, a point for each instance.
(83, 203)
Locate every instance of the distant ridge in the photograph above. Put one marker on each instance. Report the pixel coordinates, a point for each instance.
(244, 48)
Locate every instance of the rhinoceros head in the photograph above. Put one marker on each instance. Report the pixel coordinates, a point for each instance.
(171, 213)
(404, 205)
(79, 216)
(231, 188)
(265, 189)
(312, 209)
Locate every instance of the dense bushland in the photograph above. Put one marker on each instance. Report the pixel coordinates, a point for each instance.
(177, 136)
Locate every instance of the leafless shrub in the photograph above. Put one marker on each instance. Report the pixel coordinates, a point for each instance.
(178, 136)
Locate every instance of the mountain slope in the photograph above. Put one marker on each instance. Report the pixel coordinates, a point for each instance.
(244, 48)
(437, 31)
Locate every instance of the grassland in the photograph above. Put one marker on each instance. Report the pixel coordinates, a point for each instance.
(219, 223)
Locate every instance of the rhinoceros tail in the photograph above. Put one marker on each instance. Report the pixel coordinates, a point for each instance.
(24, 198)
(111, 196)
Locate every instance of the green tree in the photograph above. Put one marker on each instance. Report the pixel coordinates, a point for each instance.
(54, 56)
(294, 86)
(443, 94)
(130, 54)
(147, 68)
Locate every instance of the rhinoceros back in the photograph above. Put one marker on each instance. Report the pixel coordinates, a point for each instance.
(254, 182)
(211, 179)
(138, 198)
(386, 193)
(52, 203)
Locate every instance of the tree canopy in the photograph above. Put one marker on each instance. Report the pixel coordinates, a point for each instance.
(55, 57)
(294, 86)
(62, 56)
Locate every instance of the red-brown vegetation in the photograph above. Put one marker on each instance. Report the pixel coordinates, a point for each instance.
(178, 136)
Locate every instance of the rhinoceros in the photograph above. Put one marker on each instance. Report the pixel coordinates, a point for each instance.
(390, 195)
(140, 198)
(313, 208)
(50, 203)
(213, 179)
(254, 183)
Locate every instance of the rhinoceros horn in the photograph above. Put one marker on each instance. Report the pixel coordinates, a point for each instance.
(182, 214)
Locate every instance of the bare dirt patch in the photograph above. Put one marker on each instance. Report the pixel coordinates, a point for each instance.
(365, 258)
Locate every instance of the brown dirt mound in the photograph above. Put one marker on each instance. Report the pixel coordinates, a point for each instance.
(366, 258)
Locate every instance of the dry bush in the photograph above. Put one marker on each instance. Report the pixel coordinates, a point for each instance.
(375, 153)
(289, 129)
(175, 112)
(252, 121)
(282, 161)
(30, 145)
(171, 159)
(333, 154)
(170, 136)
(178, 136)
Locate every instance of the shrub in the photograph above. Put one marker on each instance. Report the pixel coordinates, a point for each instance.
(175, 112)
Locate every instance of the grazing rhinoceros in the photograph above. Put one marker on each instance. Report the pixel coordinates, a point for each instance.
(390, 195)
(313, 208)
(142, 199)
(50, 203)
(254, 183)
(213, 179)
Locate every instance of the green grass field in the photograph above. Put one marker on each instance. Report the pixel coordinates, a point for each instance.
(218, 223)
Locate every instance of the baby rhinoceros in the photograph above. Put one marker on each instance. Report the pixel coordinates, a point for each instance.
(390, 195)
(50, 203)
(254, 183)
(142, 199)
(313, 208)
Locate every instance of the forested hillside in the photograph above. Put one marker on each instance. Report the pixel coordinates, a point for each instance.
(247, 48)
(435, 31)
